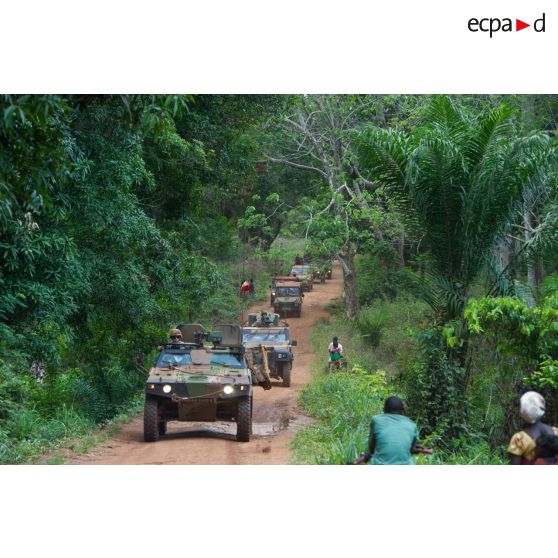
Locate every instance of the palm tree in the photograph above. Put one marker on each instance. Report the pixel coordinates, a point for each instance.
(457, 178)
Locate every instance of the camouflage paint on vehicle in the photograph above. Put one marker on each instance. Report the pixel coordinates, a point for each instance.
(205, 377)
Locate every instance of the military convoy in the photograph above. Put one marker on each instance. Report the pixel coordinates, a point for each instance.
(263, 330)
(208, 376)
(205, 377)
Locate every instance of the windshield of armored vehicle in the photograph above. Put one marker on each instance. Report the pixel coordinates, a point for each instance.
(301, 270)
(264, 336)
(226, 359)
(179, 358)
(287, 291)
(175, 358)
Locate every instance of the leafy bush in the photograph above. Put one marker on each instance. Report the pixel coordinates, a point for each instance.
(343, 403)
(381, 277)
(371, 322)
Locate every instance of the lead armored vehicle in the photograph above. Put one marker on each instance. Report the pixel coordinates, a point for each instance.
(263, 329)
(204, 378)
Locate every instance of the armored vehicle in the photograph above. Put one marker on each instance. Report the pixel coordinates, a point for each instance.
(304, 273)
(203, 378)
(278, 346)
(288, 299)
(318, 272)
(281, 279)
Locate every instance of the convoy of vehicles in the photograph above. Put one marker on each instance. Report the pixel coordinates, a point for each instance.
(209, 376)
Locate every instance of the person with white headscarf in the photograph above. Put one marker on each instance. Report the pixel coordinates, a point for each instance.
(523, 445)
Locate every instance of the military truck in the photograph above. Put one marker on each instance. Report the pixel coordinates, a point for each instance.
(263, 329)
(304, 274)
(204, 378)
(288, 299)
(281, 279)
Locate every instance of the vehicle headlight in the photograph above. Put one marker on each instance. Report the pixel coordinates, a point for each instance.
(167, 388)
(228, 389)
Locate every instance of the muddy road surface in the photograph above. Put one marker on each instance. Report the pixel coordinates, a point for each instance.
(276, 414)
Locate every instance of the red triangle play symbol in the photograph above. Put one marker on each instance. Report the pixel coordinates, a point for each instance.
(519, 25)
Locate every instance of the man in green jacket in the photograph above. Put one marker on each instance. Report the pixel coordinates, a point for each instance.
(393, 436)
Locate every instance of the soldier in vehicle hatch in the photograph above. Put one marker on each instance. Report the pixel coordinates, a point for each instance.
(262, 320)
(176, 336)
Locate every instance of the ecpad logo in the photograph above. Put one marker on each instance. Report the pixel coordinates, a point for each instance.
(493, 25)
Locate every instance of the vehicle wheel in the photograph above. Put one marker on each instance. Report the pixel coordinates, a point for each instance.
(244, 419)
(162, 428)
(287, 375)
(151, 419)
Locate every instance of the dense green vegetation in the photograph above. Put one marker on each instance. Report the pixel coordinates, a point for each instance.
(122, 215)
(118, 220)
(467, 191)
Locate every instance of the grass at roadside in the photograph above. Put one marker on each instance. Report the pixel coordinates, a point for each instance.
(345, 401)
(67, 430)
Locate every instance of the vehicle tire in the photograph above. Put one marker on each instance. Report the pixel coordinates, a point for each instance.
(244, 419)
(299, 313)
(162, 428)
(287, 375)
(151, 419)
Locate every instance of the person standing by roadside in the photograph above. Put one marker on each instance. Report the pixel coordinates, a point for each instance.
(523, 444)
(245, 287)
(252, 288)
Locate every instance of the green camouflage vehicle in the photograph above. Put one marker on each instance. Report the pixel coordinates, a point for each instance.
(288, 299)
(318, 272)
(264, 330)
(304, 273)
(203, 378)
(281, 279)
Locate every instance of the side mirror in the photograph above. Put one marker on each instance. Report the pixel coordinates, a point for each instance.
(294, 343)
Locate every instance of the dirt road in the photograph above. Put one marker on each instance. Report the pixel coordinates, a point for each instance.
(276, 415)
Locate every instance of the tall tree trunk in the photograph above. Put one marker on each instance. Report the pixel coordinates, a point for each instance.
(531, 274)
(401, 248)
(346, 258)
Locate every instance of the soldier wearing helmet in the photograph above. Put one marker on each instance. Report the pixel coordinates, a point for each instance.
(176, 336)
(262, 321)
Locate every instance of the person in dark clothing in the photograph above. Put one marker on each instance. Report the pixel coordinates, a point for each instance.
(251, 288)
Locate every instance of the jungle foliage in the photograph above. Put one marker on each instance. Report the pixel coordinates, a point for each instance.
(117, 218)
